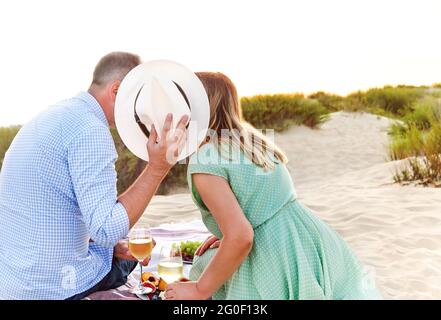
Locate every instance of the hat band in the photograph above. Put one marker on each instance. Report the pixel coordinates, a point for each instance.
(138, 120)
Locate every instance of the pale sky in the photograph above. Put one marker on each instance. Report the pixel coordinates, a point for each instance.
(49, 48)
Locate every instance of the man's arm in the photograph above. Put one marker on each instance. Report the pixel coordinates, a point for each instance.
(91, 161)
(162, 157)
(91, 158)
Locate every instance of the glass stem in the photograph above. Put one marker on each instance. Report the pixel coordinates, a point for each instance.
(140, 276)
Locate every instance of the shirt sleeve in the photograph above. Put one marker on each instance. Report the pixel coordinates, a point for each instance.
(91, 160)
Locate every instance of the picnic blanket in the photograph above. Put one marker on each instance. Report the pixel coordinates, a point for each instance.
(164, 234)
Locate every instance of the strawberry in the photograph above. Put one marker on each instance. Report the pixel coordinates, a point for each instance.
(150, 285)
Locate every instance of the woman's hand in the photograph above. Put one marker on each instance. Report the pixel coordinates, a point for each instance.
(210, 243)
(184, 291)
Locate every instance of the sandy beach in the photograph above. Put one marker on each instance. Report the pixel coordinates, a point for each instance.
(341, 171)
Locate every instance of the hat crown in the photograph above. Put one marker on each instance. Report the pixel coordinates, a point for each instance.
(158, 99)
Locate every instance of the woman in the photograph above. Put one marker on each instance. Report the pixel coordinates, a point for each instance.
(272, 247)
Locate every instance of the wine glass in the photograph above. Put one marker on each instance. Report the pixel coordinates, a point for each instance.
(140, 246)
(170, 265)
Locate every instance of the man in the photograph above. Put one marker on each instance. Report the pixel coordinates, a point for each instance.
(61, 219)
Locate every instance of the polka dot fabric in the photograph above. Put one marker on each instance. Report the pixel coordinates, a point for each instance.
(295, 255)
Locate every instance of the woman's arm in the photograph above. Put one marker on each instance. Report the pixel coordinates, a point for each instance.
(236, 243)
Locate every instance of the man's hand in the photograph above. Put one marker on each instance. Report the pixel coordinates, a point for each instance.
(121, 251)
(163, 154)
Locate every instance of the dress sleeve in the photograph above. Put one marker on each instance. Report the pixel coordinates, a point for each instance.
(208, 160)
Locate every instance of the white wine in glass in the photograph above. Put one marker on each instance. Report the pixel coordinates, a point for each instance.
(170, 265)
(140, 246)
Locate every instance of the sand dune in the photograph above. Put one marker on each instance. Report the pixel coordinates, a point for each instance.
(341, 172)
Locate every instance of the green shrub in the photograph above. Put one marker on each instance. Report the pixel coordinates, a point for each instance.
(434, 92)
(419, 140)
(330, 101)
(432, 152)
(408, 143)
(354, 102)
(396, 100)
(7, 134)
(425, 112)
(279, 111)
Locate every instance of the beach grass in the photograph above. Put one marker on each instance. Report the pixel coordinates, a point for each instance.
(418, 140)
(280, 111)
(393, 102)
(415, 135)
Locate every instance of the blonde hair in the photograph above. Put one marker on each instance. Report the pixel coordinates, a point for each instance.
(226, 114)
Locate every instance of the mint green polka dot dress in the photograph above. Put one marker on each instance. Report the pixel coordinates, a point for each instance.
(295, 255)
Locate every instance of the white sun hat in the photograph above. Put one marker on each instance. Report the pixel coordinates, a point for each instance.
(152, 90)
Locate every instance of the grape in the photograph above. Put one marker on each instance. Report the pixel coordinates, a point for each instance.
(189, 247)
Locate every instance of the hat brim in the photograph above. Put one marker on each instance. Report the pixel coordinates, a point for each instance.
(128, 129)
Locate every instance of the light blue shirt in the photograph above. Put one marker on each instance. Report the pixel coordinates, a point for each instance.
(58, 191)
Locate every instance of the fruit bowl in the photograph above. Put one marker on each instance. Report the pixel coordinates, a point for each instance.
(188, 249)
(156, 284)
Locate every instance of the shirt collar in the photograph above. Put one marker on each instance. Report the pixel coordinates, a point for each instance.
(93, 104)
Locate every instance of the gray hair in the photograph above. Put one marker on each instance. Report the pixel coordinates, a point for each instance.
(114, 66)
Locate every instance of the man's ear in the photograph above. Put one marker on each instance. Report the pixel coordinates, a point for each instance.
(113, 89)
